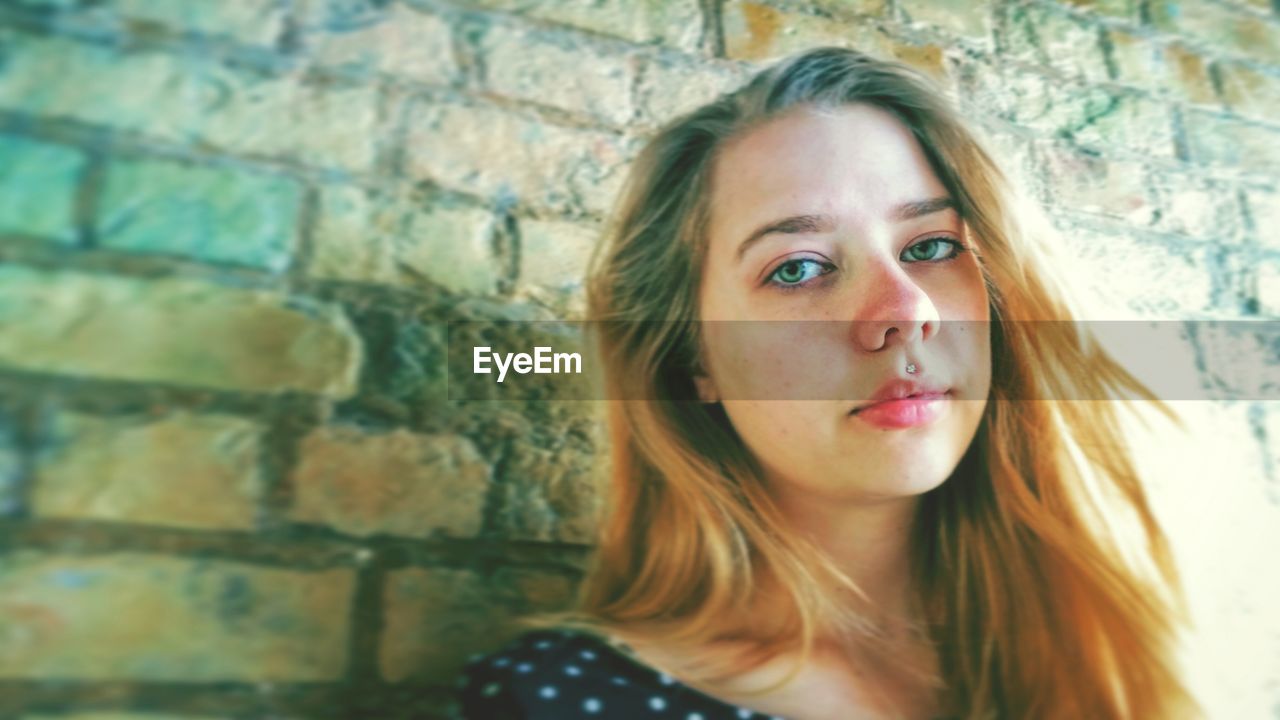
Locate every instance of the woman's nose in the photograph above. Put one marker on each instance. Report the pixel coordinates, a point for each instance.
(892, 308)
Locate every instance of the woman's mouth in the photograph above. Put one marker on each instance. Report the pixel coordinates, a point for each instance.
(911, 411)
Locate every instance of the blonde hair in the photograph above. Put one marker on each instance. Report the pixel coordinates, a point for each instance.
(1018, 557)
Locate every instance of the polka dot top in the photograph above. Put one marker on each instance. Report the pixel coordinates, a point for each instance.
(563, 675)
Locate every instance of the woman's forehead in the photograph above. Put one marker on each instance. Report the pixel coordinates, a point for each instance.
(855, 158)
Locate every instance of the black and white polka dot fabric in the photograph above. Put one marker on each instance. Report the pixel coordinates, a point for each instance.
(562, 675)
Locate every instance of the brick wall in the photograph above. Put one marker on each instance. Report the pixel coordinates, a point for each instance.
(231, 233)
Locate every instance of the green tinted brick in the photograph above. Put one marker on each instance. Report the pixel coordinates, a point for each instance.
(1225, 29)
(192, 98)
(147, 92)
(497, 153)
(389, 238)
(123, 469)
(208, 213)
(401, 41)
(37, 188)
(965, 18)
(397, 483)
(760, 31)
(151, 617)
(669, 22)
(1216, 140)
(184, 332)
(251, 21)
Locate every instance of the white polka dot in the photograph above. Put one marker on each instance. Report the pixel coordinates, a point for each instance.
(491, 689)
(665, 679)
(695, 716)
(542, 644)
(657, 703)
(588, 655)
(524, 668)
(501, 662)
(547, 692)
(744, 713)
(620, 681)
(592, 705)
(573, 670)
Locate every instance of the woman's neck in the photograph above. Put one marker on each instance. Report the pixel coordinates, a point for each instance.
(869, 542)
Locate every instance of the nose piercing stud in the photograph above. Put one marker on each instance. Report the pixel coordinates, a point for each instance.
(911, 367)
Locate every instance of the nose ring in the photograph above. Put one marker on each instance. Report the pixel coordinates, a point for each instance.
(911, 368)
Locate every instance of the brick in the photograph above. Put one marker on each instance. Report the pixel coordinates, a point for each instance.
(757, 31)
(1262, 6)
(927, 58)
(1115, 271)
(1188, 75)
(408, 379)
(547, 495)
(847, 8)
(1216, 140)
(559, 70)
(1198, 208)
(177, 331)
(1041, 36)
(401, 42)
(124, 470)
(1087, 182)
(1169, 69)
(389, 238)
(503, 155)
(1219, 27)
(288, 117)
(669, 88)
(147, 92)
(437, 617)
(1090, 115)
(396, 483)
(677, 23)
(968, 20)
(554, 253)
(1237, 360)
(257, 22)
(1264, 211)
(149, 617)
(38, 185)
(1249, 92)
(1123, 9)
(191, 99)
(451, 245)
(216, 214)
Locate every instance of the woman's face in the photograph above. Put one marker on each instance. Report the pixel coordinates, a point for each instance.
(831, 255)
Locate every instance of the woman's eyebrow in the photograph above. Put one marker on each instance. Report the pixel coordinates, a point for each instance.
(825, 223)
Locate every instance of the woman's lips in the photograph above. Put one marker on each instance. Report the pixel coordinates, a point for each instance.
(911, 411)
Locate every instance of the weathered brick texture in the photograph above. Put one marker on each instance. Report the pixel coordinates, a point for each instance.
(235, 479)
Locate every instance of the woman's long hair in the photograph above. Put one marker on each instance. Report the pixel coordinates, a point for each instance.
(1035, 601)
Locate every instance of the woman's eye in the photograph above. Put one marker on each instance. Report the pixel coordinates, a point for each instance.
(794, 273)
(928, 250)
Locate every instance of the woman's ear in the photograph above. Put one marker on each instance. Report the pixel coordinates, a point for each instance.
(707, 392)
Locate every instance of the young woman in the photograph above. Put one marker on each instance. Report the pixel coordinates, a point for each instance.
(851, 476)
